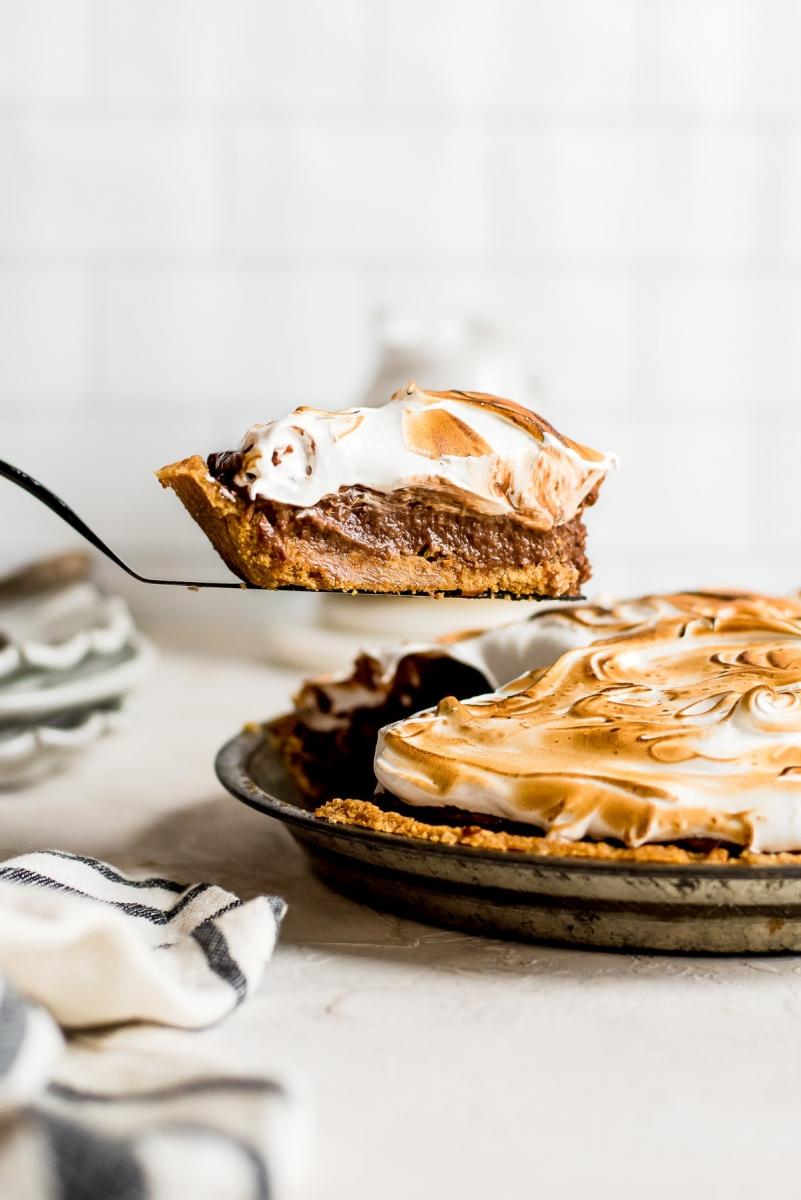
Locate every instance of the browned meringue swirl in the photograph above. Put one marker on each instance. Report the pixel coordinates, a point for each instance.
(490, 454)
(690, 726)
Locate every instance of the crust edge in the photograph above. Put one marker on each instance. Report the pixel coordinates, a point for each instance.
(214, 509)
(363, 814)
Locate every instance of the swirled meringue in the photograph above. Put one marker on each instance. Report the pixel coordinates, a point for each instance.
(505, 652)
(488, 454)
(687, 727)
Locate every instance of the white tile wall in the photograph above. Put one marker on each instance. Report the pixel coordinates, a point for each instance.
(207, 338)
(727, 342)
(504, 54)
(725, 55)
(202, 202)
(550, 311)
(46, 350)
(226, 54)
(353, 188)
(84, 186)
(695, 483)
(45, 51)
(779, 490)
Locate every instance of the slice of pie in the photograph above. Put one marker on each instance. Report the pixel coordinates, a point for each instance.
(457, 493)
(663, 729)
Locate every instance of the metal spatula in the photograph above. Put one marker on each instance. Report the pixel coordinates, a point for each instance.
(57, 505)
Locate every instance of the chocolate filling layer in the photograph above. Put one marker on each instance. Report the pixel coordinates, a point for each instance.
(339, 761)
(412, 521)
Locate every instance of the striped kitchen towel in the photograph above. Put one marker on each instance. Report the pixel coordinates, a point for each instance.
(83, 946)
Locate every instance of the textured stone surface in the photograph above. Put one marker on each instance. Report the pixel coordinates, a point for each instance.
(436, 1064)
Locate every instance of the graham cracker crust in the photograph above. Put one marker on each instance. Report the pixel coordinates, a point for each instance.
(363, 814)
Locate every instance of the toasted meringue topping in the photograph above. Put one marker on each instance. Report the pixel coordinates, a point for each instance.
(686, 726)
(508, 651)
(495, 455)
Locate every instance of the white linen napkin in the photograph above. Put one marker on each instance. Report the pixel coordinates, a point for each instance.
(83, 946)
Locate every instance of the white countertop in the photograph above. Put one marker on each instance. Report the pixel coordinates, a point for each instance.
(436, 1064)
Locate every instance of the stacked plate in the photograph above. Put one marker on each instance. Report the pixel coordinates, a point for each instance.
(69, 654)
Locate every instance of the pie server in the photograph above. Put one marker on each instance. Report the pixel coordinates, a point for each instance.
(57, 505)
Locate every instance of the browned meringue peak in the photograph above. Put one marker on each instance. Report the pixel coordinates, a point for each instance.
(468, 450)
(690, 728)
(525, 418)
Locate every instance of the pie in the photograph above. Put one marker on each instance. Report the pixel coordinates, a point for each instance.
(666, 728)
(437, 493)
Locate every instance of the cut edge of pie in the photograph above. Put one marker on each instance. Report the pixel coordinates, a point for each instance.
(333, 546)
